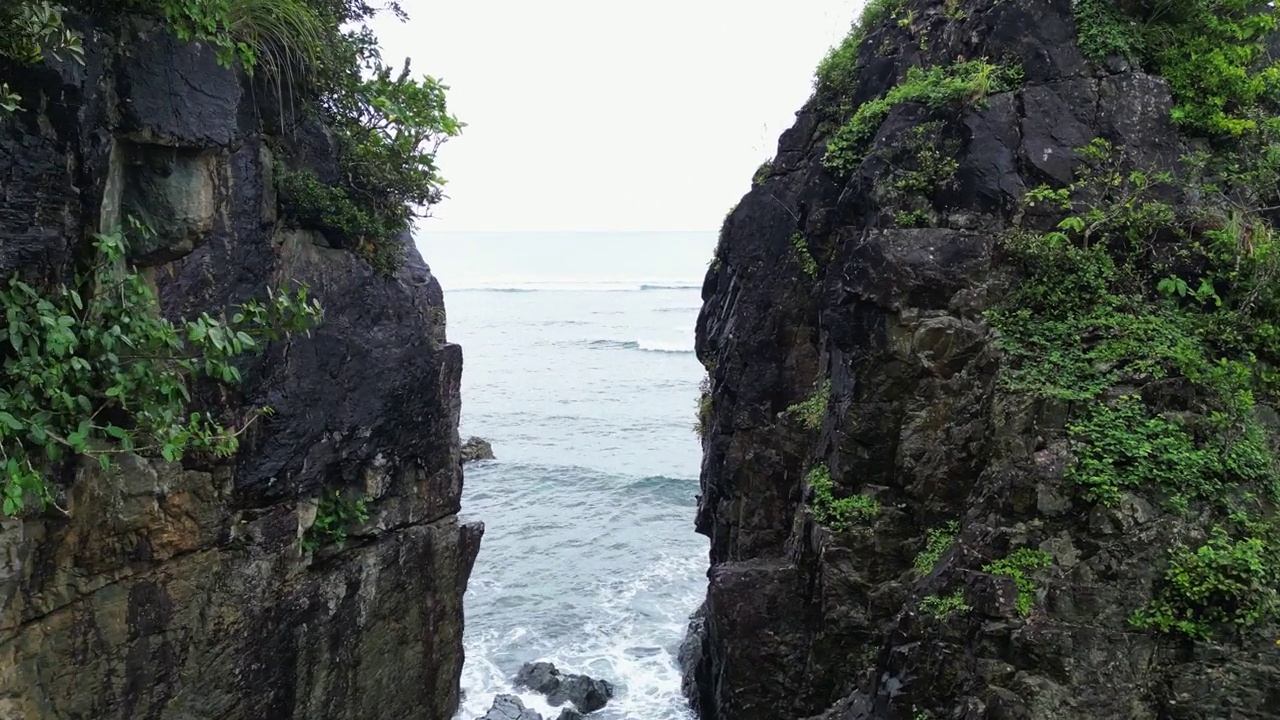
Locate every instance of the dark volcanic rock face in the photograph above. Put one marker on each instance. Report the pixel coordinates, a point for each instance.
(802, 621)
(183, 591)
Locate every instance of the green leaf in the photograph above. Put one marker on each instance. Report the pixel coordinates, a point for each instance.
(56, 379)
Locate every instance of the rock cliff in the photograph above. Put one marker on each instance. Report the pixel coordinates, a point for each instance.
(186, 590)
(969, 450)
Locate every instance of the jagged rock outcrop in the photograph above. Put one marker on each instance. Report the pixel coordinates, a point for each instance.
(510, 707)
(476, 448)
(866, 293)
(586, 693)
(184, 590)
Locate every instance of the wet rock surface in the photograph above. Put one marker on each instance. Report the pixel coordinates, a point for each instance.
(182, 590)
(476, 448)
(587, 694)
(510, 707)
(801, 621)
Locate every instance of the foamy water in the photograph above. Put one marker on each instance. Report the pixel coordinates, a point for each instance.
(586, 384)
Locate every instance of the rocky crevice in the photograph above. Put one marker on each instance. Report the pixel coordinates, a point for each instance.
(801, 620)
(174, 590)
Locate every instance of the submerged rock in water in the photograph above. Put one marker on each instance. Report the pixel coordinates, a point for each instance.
(509, 707)
(476, 448)
(587, 694)
(570, 714)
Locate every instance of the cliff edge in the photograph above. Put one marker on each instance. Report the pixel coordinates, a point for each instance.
(991, 426)
(319, 571)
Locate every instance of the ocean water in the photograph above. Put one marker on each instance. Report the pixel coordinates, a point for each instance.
(579, 367)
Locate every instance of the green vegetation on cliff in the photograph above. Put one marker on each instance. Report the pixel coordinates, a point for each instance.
(1020, 566)
(92, 369)
(941, 607)
(388, 126)
(1153, 304)
(322, 60)
(838, 71)
(936, 87)
(838, 513)
(1173, 302)
(937, 541)
(1213, 54)
(810, 411)
(335, 514)
(703, 425)
(1147, 304)
(29, 31)
(1224, 582)
(803, 255)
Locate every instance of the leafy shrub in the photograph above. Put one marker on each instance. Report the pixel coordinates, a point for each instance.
(942, 607)
(334, 518)
(1225, 581)
(807, 263)
(762, 173)
(1124, 445)
(1129, 290)
(926, 161)
(389, 126)
(703, 426)
(838, 69)
(29, 30)
(282, 35)
(911, 219)
(93, 369)
(838, 513)
(1213, 53)
(1020, 565)
(937, 540)
(936, 87)
(810, 411)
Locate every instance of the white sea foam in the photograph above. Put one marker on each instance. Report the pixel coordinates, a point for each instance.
(632, 646)
(572, 285)
(664, 346)
(482, 680)
(658, 346)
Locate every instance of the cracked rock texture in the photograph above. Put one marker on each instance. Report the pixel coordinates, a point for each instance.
(801, 622)
(182, 590)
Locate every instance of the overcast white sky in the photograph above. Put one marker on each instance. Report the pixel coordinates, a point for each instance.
(610, 114)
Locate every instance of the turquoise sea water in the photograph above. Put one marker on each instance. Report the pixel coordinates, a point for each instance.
(579, 368)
